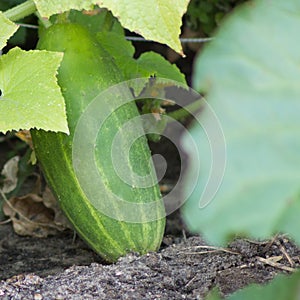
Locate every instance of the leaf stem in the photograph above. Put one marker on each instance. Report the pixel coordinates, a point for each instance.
(20, 11)
(43, 21)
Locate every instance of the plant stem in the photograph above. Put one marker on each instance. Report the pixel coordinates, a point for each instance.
(184, 112)
(20, 11)
(43, 21)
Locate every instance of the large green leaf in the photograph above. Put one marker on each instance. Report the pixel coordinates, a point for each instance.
(148, 64)
(30, 96)
(48, 8)
(157, 65)
(158, 20)
(122, 51)
(282, 287)
(96, 22)
(251, 75)
(8, 28)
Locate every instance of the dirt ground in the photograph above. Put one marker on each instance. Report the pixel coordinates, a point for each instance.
(185, 268)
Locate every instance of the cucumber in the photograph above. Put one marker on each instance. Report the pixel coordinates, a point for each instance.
(85, 71)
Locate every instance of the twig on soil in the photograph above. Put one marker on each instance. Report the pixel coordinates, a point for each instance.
(284, 252)
(212, 250)
(270, 243)
(276, 241)
(244, 266)
(257, 242)
(272, 261)
(191, 281)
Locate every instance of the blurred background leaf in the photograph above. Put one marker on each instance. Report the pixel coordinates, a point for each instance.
(251, 73)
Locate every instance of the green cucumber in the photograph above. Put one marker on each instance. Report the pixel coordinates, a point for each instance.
(86, 70)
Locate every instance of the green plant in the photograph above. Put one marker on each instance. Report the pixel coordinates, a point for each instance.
(92, 54)
(86, 70)
(206, 15)
(249, 74)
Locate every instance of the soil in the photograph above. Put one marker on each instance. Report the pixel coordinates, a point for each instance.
(60, 267)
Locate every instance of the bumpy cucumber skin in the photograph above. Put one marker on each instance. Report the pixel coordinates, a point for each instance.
(85, 71)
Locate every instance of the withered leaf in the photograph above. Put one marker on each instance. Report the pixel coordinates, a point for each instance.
(31, 217)
(10, 172)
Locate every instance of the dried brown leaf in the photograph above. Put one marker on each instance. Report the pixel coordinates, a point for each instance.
(10, 172)
(25, 136)
(30, 216)
(50, 202)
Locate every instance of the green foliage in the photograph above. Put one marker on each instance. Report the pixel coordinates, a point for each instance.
(85, 72)
(161, 25)
(282, 287)
(20, 36)
(252, 86)
(213, 295)
(30, 94)
(206, 15)
(97, 21)
(250, 74)
(103, 21)
(6, 4)
(7, 30)
(148, 64)
(47, 9)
